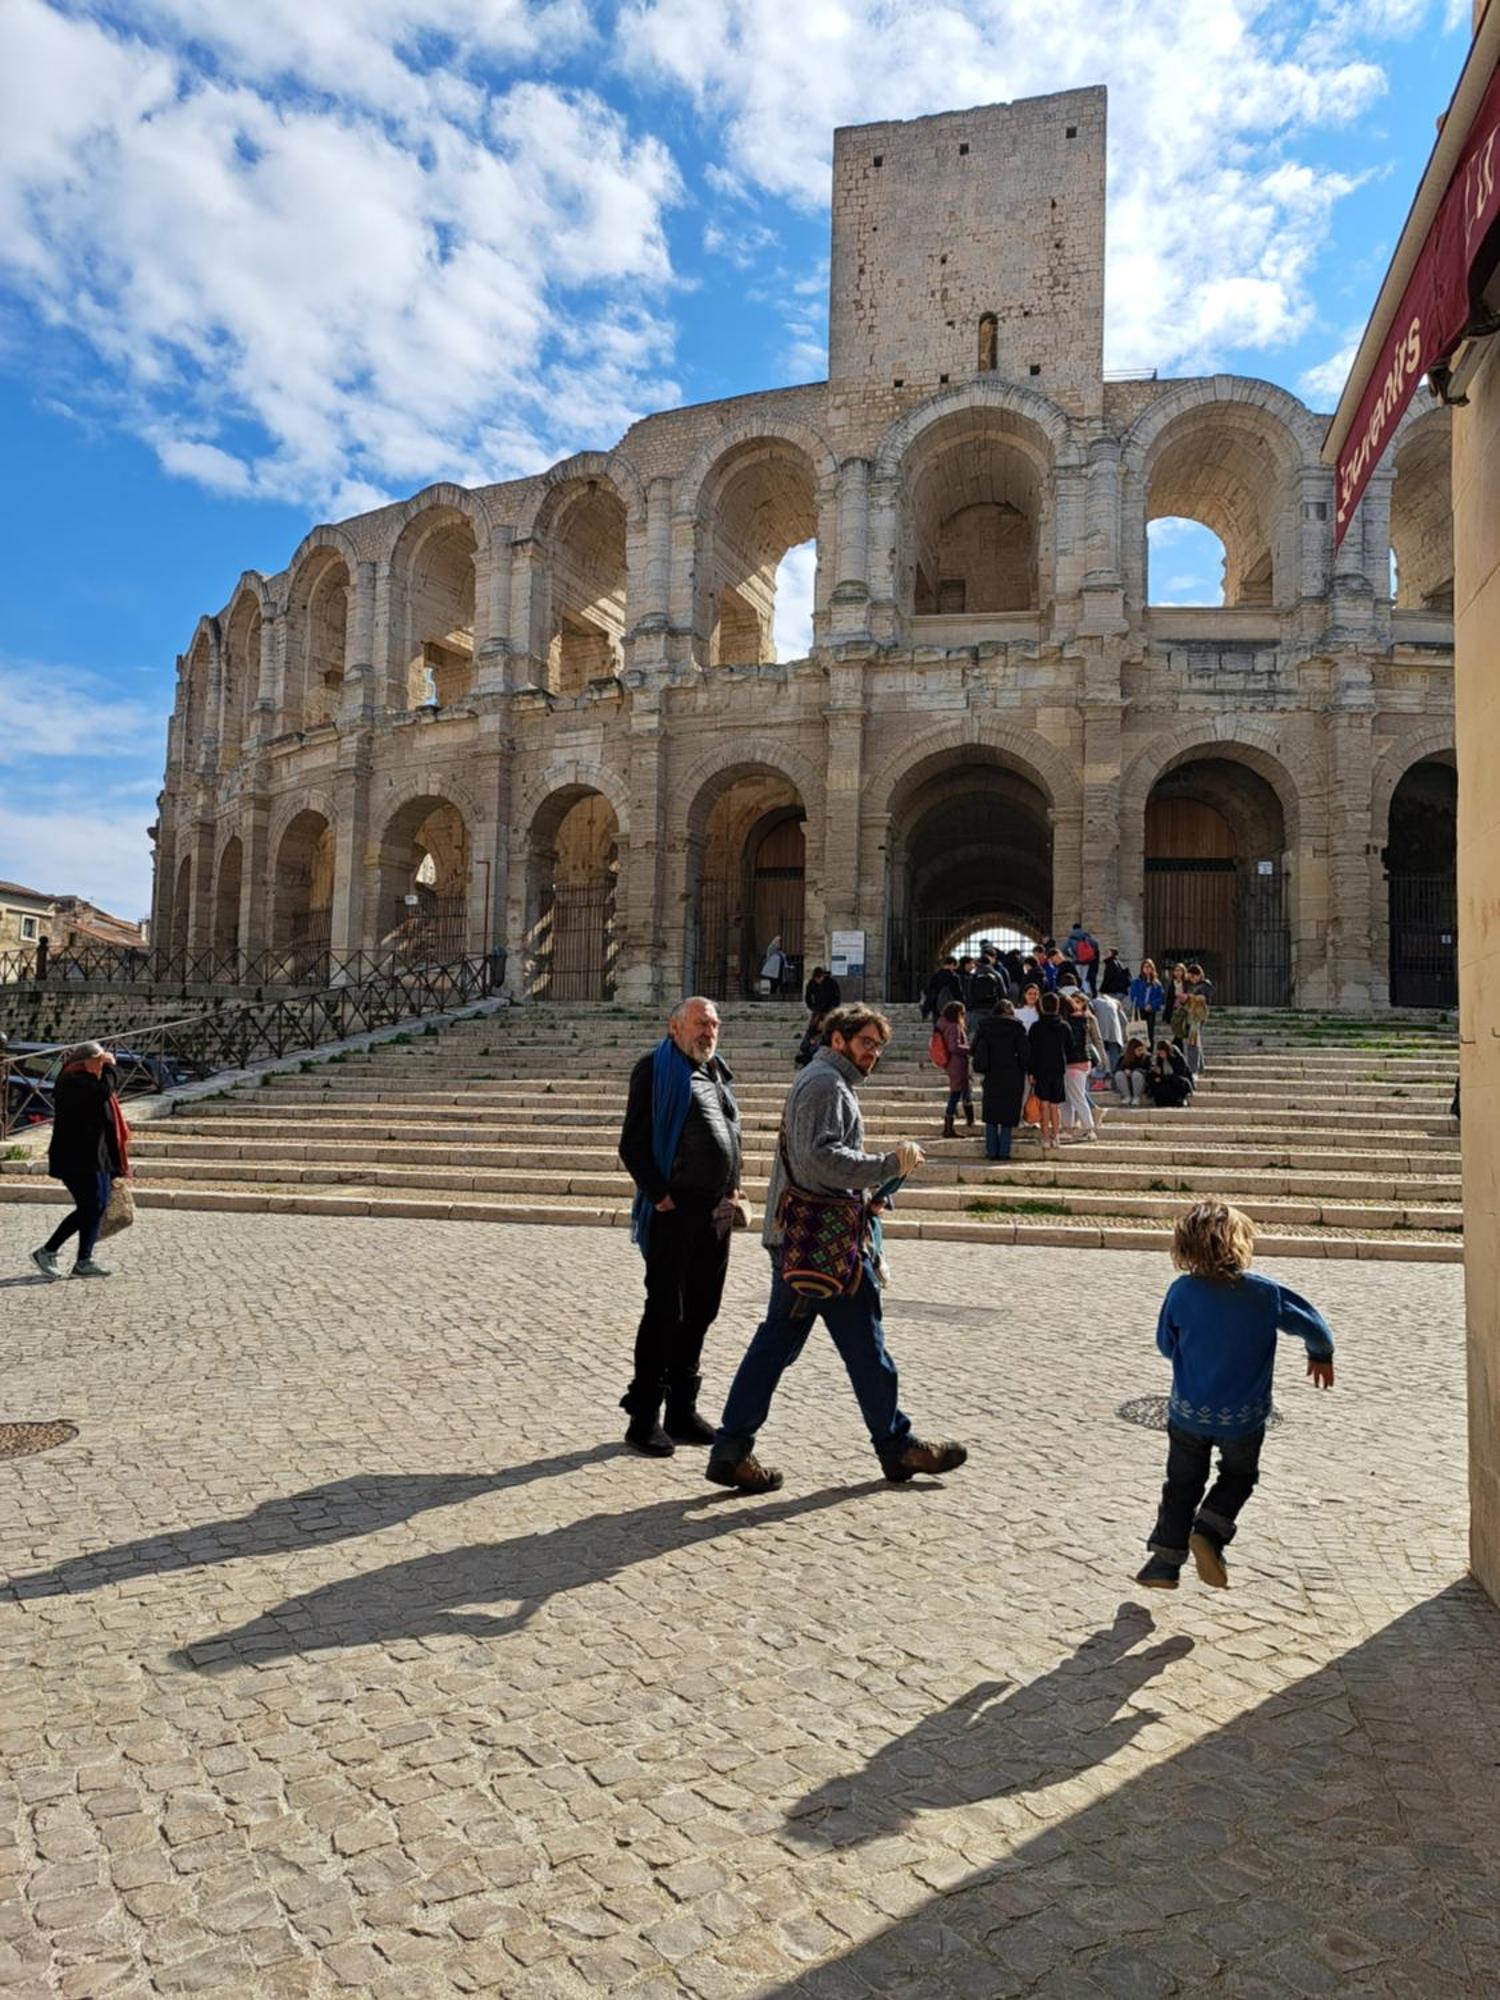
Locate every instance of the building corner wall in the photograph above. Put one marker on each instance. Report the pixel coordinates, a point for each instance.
(1476, 520)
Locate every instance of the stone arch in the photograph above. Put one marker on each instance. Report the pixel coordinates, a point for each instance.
(1028, 406)
(302, 887)
(566, 896)
(576, 774)
(1208, 891)
(200, 675)
(1021, 750)
(611, 466)
(229, 876)
(580, 578)
(753, 851)
(327, 535)
(956, 815)
(1226, 453)
(1421, 502)
(242, 624)
(422, 876)
(757, 495)
(320, 596)
(435, 558)
(182, 907)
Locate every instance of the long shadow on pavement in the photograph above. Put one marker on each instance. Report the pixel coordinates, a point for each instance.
(989, 1742)
(1342, 1837)
(432, 1593)
(339, 1511)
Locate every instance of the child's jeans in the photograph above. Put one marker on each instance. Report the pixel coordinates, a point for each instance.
(1184, 1507)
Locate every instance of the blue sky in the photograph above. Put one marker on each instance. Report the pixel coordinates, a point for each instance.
(263, 265)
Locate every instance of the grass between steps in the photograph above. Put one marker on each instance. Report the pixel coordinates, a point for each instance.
(1023, 1205)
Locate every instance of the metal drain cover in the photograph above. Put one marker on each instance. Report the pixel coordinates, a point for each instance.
(1150, 1412)
(20, 1440)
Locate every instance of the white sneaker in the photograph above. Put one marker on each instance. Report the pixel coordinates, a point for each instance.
(46, 1262)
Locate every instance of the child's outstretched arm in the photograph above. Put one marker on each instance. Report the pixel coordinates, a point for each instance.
(1295, 1314)
(1166, 1329)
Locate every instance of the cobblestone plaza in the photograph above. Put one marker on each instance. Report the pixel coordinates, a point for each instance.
(345, 1651)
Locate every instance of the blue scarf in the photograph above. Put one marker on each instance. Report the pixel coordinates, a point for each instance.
(671, 1096)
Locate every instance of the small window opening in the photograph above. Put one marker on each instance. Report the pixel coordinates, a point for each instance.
(899, 382)
(1036, 367)
(1072, 134)
(989, 344)
(880, 159)
(963, 149)
(942, 378)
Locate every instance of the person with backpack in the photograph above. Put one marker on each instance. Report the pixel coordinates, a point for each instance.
(821, 1158)
(1114, 976)
(944, 985)
(1082, 947)
(949, 1050)
(987, 984)
(1147, 998)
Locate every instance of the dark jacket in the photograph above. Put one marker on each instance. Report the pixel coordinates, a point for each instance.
(986, 984)
(822, 995)
(83, 1128)
(1114, 977)
(1001, 1055)
(1171, 1081)
(945, 984)
(1048, 1043)
(708, 1160)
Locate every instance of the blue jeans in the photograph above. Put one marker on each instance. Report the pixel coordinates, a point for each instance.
(963, 1095)
(854, 1324)
(997, 1141)
(90, 1194)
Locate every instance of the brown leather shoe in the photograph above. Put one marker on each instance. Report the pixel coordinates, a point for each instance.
(921, 1457)
(743, 1475)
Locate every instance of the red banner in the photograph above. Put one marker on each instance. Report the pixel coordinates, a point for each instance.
(1434, 309)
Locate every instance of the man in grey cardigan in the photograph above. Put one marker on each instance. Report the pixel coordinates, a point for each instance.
(825, 1149)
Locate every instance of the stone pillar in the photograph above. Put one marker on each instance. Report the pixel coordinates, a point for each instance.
(255, 880)
(686, 638)
(362, 695)
(850, 604)
(354, 857)
(638, 907)
(1351, 763)
(1103, 588)
(1476, 600)
(842, 790)
(1103, 710)
(1071, 492)
(494, 639)
(200, 922)
(650, 614)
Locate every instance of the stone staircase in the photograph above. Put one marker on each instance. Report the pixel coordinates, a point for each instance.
(1333, 1133)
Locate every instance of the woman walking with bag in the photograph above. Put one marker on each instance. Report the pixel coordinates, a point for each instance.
(953, 1027)
(87, 1154)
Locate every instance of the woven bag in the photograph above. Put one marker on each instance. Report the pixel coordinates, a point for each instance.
(823, 1239)
(121, 1210)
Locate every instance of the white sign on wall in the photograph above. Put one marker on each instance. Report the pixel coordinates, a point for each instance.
(847, 955)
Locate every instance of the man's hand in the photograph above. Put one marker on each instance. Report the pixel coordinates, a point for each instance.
(1322, 1373)
(665, 1205)
(909, 1156)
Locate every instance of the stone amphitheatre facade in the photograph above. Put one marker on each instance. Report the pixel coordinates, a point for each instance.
(545, 718)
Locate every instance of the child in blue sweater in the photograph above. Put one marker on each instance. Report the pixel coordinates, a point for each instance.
(1218, 1327)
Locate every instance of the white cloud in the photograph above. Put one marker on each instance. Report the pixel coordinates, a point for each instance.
(62, 711)
(72, 848)
(1323, 384)
(795, 577)
(347, 283)
(1214, 224)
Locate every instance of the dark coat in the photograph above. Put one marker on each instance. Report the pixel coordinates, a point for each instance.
(944, 985)
(1048, 1043)
(1001, 1055)
(1114, 977)
(83, 1128)
(822, 995)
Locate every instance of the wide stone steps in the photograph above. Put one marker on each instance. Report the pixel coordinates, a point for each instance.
(1334, 1148)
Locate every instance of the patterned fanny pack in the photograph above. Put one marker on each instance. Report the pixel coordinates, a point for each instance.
(823, 1238)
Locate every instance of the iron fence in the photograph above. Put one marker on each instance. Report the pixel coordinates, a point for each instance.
(164, 1055)
(572, 947)
(302, 963)
(1229, 918)
(1424, 940)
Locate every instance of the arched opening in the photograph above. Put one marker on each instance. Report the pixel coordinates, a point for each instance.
(227, 886)
(1218, 467)
(583, 614)
(195, 710)
(241, 678)
(1422, 518)
(989, 343)
(747, 882)
(1215, 847)
(1185, 563)
(421, 884)
(572, 875)
(318, 641)
(302, 897)
(1421, 874)
(761, 504)
(796, 588)
(435, 559)
(974, 525)
(969, 848)
(182, 907)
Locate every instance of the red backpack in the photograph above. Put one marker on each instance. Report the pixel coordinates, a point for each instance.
(937, 1048)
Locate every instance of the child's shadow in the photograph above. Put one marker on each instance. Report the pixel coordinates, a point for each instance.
(989, 1742)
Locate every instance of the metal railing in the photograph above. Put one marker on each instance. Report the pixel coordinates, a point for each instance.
(167, 1054)
(309, 964)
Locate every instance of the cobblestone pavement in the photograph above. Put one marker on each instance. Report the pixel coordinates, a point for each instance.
(345, 1651)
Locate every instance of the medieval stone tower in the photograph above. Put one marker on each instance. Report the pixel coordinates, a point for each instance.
(545, 718)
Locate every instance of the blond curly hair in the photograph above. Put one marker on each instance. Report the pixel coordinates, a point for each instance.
(1213, 1240)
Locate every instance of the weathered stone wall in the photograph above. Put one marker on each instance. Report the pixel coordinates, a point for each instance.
(603, 631)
